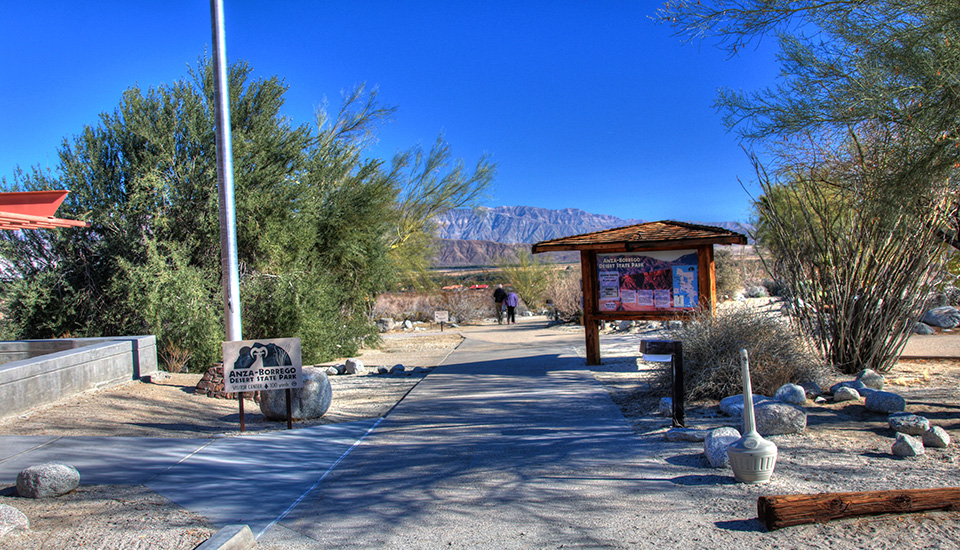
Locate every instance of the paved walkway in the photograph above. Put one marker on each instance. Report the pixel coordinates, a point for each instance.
(511, 443)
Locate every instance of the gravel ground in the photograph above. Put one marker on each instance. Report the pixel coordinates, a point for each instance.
(845, 448)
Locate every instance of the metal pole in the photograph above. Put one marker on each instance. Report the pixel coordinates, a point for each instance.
(229, 264)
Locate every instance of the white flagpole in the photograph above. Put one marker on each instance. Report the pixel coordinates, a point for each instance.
(228, 216)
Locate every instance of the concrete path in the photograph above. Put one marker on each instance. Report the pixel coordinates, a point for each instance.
(507, 445)
(511, 443)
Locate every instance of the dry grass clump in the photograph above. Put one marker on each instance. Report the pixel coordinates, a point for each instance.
(465, 306)
(711, 354)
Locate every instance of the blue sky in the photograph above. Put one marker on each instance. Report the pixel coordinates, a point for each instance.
(581, 104)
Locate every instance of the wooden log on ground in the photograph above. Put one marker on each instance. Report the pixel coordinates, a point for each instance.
(786, 510)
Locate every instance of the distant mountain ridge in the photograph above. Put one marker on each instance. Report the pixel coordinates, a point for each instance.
(522, 224)
(479, 237)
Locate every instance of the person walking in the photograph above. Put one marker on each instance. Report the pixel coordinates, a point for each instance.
(512, 301)
(498, 296)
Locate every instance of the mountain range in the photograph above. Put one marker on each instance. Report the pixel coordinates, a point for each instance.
(474, 237)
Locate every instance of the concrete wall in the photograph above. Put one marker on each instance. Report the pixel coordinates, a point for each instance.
(47, 370)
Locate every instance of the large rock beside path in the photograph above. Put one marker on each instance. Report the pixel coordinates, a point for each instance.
(775, 418)
(733, 405)
(884, 402)
(310, 401)
(943, 317)
(47, 480)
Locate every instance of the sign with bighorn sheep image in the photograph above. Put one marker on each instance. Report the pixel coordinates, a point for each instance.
(251, 365)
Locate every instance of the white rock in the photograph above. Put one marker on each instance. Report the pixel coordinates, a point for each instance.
(907, 446)
(936, 437)
(846, 394)
(11, 519)
(686, 434)
(871, 379)
(47, 480)
(666, 406)
(354, 366)
(775, 418)
(907, 423)
(715, 446)
(791, 393)
(884, 402)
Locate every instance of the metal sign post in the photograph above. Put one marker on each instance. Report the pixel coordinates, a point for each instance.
(441, 316)
(668, 351)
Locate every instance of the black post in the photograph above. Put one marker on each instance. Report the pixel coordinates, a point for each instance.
(240, 399)
(289, 412)
(677, 360)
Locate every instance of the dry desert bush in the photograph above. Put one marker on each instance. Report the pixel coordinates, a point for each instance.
(779, 354)
(465, 306)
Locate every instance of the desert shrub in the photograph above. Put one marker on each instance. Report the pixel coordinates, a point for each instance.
(466, 306)
(727, 271)
(711, 353)
(567, 297)
(399, 306)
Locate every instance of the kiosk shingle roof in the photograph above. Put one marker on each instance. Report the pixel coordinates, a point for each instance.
(644, 236)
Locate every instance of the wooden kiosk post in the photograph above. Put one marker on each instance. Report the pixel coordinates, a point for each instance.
(647, 273)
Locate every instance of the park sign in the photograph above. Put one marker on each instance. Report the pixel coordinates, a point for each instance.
(251, 365)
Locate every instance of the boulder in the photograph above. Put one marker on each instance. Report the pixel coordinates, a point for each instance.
(923, 328)
(885, 402)
(408, 325)
(812, 388)
(775, 418)
(871, 379)
(855, 384)
(791, 393)
(398, 368)
(907, 423)
(936, 437)
(383, 370)
(846, 394)
(354, 366)
(943, 317)
(385, 324)
(11, 519)
(907, 446)
(733, 405)
(310, 401)
(686, 434)
(47, 480)
(666, 406)
(715, 446)
(624, 326)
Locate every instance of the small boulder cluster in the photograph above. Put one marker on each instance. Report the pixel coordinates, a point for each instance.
(48, 480)
(943, 317)
(356, 366)
(784, 413)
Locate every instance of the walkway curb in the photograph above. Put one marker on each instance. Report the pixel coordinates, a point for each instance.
(231, 537)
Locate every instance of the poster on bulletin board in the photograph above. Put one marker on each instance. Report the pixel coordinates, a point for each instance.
(648, 281)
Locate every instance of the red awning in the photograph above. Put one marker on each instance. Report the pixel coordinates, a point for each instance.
(33, 210)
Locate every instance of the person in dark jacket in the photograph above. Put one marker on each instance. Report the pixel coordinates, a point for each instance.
(498, 296)
(511, 301)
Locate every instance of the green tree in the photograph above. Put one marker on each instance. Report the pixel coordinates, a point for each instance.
(316, 221)
(848, 66)
(863, 134)
(531, 277)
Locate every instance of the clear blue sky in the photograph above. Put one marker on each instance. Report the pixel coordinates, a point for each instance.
(581, 104)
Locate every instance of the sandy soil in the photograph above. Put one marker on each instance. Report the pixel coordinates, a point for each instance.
(124, 517)
(845, 448)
